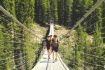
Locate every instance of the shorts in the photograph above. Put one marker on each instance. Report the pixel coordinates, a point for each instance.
(55, 47)
(48, 47)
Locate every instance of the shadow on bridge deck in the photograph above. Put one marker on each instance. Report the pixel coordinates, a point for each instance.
(47, 64)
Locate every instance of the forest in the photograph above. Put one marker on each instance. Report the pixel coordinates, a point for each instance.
(19, 52)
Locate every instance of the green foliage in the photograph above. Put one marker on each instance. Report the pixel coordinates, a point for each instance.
(17, 46)
(81, 48)
(30, 48)
(1, 47)
(68, 12)
(80, 7)
(98, 43)
(77, 13)
(46, 10)
(39, 11)
(103, 20)
(53, 9)
(24, 10)
(12, 52)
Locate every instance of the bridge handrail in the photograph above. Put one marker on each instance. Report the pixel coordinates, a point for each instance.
(97, 4)
(64, 65)
(17, 21)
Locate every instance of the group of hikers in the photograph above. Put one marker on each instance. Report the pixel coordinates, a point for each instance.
(51, 42)
(52, 45)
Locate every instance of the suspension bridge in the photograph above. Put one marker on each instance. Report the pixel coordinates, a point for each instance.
(18, 61)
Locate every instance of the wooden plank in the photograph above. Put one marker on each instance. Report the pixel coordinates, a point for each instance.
(45, 64)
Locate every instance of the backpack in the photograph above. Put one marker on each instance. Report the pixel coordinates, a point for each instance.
(55, 44)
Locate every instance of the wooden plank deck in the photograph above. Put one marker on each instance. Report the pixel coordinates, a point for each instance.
(48, 64)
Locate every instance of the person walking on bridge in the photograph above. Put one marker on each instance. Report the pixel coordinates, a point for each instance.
(55, 45)
(51, 31)
(48, 41)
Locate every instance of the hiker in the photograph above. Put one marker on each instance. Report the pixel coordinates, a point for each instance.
(55, 45)
(51, 30)
(50, 50)
(48, 41)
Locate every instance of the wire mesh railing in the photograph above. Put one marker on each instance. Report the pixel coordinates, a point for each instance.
(19, 45)
(18, 49)
(85, 46)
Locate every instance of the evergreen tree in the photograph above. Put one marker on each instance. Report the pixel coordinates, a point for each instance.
(87, 4)
(61, 10)
(21, 8)
(2, 66)
(103, 25)
(53, 9)
(81, 48)
(80, 7)
(8, 34)
(25, 14)
(2, 56)
(38, 11)
(46, 10)
(98, 41)
(77, 10)
(24, 10)
(16, 43)
(68, 12)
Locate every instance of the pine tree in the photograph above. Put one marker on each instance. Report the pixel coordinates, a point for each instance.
(98, 41)
(61, 10)
(25, 14)
(8, 34)
(39, 11)
(79, 8)
(81, 48)
(53, 9)
(46, 10)
(2, 66)
(21, 14)
(103, 25)
(68, 12)
(76, 10)
(87, 4)
(2, 58)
